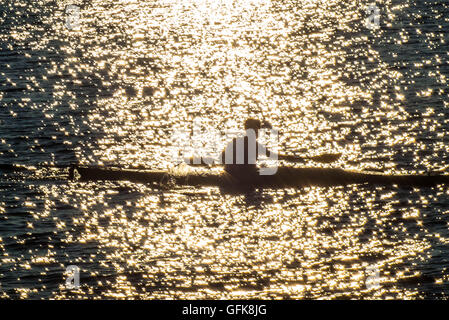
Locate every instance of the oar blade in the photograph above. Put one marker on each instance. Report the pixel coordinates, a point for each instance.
(326, 158)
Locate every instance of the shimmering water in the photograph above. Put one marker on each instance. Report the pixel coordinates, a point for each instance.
(110, 92)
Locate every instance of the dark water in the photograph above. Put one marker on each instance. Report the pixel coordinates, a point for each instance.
(111, 92)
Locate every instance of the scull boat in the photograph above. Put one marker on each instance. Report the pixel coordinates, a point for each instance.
(284, 177)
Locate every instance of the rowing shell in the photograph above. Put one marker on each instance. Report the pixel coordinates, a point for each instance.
(283, 178)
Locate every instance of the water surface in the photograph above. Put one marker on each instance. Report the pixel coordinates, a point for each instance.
(111, 92)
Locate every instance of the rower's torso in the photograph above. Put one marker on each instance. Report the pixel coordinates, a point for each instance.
(241, 154)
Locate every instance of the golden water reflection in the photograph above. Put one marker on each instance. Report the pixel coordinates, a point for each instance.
(285, 244)
(137, 70)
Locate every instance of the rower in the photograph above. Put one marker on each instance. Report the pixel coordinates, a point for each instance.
(241, 154)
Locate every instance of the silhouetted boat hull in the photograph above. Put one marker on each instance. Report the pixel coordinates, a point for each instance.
(284, 177)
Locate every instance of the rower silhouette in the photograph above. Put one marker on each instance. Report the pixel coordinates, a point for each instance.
(241, 154)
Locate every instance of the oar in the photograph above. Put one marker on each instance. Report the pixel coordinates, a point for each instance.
(33, 167)
(209, 162)
(323, 158)
(201, 162)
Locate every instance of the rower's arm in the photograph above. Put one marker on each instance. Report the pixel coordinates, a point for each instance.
(262, 150)
(272, 155)
(290, 158)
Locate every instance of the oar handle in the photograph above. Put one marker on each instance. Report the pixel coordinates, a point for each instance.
(210, 162)
(291, 158)
(324, 158)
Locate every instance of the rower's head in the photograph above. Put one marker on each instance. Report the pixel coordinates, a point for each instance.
(253, 124)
